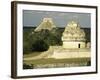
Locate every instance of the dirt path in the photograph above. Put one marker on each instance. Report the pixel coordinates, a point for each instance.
(45, 54)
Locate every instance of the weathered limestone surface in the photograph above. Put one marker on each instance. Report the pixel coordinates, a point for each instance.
(71, 53)
(47, 23)
(73, 36)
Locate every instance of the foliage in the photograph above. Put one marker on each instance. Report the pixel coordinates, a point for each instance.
(26, 66)
(88, 63)
(40, 45)
(41, 40)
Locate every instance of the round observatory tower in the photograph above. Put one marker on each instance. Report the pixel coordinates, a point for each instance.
(73, 36)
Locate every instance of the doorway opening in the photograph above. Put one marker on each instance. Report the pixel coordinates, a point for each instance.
(78, 45)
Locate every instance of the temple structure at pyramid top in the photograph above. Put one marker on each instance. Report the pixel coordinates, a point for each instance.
(47, 23)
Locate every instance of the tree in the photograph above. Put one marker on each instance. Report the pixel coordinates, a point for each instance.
(40, 45)
(41, 40)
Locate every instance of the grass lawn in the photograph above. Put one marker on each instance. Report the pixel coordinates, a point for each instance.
(51, 60)
(31, 54)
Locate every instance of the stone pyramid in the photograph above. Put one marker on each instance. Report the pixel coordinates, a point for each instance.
(47, 23)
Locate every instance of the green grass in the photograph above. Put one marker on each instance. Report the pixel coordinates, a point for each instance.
(32, 54)
(51, 60)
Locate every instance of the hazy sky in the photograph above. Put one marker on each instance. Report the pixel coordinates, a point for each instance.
(60, 19)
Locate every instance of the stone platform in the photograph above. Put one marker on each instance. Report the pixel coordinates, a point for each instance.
(71, 53)
(61, 53)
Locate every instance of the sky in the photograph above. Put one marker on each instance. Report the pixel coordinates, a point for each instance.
(34, 18)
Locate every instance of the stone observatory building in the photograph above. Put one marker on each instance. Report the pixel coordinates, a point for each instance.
(73, 36)
(47, 23)
(74, 43)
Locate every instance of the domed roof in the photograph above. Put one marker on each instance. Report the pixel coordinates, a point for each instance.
(73, 32)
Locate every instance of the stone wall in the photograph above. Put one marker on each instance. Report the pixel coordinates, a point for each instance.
(74, 44)
(61, 54)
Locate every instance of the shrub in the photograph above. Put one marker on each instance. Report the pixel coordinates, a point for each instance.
(40, 45)
(26, 66)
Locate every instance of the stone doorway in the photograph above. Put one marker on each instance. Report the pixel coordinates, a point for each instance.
(78, 45)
